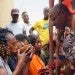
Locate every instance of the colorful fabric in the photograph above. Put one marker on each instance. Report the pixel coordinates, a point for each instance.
(35, 65)
(42, 28)
(69, 46)
(70, 5)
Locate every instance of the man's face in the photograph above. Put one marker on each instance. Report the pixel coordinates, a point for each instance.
(46, 12)
(15, 17)
(25, 17)
(58, 19)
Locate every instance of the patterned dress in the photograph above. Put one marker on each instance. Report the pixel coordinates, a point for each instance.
(69, 46)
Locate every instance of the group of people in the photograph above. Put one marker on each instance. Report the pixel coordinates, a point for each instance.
(64, 20)
(25, 53)
(20, 49)
(16, 26)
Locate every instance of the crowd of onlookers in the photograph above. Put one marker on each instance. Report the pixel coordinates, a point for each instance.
(24, 53)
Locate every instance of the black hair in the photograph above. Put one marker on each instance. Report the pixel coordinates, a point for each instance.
(33, 39)
(24, 12)
(46, 8)
(62, 9)
(4, 42)
(22, 37)
(3, 33)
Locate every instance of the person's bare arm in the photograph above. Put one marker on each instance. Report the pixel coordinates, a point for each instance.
(24, 32)
(30, 55)
(20, 64)
(31, 30)
(18, 69)
(3, 71)
(24, 61)
(25, 69)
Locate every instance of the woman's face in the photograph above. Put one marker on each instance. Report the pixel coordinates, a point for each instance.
(8, 47)
(13, 44)
(38, 44)
(24, 45)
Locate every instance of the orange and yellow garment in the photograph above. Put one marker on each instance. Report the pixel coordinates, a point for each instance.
(35, 65)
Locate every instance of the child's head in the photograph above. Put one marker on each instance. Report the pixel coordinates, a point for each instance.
(23, 41)
(22, 38)
(35, 41)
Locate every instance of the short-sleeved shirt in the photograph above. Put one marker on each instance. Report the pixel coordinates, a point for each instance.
(16, 28)
(5, 65)
(42, 28)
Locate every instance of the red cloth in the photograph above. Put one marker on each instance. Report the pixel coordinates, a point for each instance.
(35, 65)
(70, 5)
